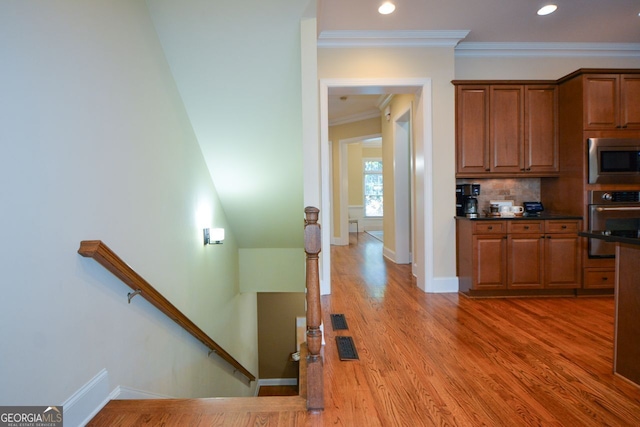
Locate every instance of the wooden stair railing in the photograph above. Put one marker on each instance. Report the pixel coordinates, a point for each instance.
(100, 252)
(314, 374)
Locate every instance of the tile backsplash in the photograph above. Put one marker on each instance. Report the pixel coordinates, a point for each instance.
(516, 189)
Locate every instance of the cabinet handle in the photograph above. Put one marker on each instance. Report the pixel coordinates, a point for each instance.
(564, 227)
(604, 279)
(487, 169)
(548, 237)
(526, 227)
(490, 227)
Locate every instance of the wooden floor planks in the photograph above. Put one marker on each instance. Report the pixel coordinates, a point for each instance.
(438, 359)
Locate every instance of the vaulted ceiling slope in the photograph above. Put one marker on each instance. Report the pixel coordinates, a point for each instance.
(237, 68)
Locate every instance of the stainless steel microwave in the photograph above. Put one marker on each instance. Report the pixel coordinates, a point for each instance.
(614, 161)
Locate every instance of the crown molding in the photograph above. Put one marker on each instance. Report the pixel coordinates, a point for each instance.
(384, 100)
(473, 49)
(407, 38)
(355, 118)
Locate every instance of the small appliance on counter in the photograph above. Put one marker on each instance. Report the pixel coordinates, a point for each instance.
(532, 208)
(467, 200)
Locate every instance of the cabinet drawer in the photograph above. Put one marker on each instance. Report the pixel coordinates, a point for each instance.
(599, 278)
(489, 227)
(559, 226)
(525, 227)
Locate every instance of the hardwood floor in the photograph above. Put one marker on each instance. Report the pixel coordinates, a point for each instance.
(278, 390)
(444, 359)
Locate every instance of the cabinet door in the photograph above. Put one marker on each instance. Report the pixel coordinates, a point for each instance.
(541, 129)
(563, 266)
(489, 261)
(601, 101)
(525, 255)
(506, 133)
(630, 101)
(472, 129)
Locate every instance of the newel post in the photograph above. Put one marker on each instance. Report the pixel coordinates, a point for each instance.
(312, 247)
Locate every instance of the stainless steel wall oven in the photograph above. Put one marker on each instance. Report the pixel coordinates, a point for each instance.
(615, 212)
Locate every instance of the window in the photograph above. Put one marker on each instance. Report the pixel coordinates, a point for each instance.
(372, 187)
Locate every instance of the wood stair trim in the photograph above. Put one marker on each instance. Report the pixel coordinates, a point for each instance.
(207, 405)
(100, 252)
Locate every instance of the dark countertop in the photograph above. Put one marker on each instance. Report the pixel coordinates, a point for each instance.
(547, 216)
(631, 237)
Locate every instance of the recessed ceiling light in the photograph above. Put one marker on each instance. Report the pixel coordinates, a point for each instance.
(386, 8)
(545, 10)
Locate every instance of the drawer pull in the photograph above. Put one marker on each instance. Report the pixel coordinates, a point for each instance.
(564, 226)
(490, 227)
(604, 279)
(526, 227)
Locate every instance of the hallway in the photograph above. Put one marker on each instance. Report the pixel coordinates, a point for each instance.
(443, 359)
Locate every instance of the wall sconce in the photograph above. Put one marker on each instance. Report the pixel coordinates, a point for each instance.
(213, 236)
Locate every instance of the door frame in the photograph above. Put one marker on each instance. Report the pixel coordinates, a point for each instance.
(423, 260)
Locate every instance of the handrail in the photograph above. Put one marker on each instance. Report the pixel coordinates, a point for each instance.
(97, 250)
(312, 247)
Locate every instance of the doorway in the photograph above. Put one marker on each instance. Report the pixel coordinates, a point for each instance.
(419, 233)
(341, 193)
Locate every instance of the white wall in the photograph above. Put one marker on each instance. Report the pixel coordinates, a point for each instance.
(436, 64)
(534, 68)
(237, 66)
(96, 144)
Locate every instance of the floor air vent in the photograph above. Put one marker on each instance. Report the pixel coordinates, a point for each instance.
(346, 348)
(338, 322)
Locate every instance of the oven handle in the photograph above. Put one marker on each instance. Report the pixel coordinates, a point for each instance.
(619, 208)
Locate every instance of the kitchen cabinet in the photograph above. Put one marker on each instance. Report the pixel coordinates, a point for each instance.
(472, 130)
(599, 278)
(541, 129)
(506, 130)
(563, 256)
(507, 256)
(611, 101)
(525, 249)
(592, 103)
(489, 256)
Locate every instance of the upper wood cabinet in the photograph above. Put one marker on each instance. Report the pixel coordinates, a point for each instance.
(611, 101)
(541, 128)
(472, 129)
(506, 130)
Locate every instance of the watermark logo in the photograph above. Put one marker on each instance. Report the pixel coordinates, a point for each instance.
(30, 416)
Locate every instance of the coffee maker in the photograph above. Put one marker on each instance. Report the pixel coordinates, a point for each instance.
(467, 200)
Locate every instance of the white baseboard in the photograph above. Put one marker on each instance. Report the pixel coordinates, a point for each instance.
(389, 254)
(126, 393)
(277, 381)
(85, 403)
(443, 285)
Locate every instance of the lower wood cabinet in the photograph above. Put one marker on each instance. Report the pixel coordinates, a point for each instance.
(512, 255)
(599, 278)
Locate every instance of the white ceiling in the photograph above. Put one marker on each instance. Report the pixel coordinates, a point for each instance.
(575, 21)
(479, 24)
